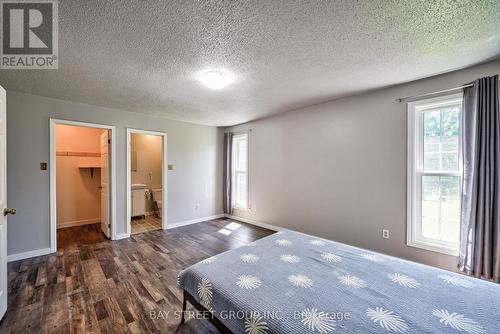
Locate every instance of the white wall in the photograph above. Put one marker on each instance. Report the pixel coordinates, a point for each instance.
(338, 169)
(194, 150)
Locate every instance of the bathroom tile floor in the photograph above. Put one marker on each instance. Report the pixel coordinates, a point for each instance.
(150, 223)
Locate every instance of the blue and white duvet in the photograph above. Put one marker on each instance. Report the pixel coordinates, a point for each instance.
(291, 282)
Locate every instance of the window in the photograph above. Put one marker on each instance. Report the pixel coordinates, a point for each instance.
(435, 173)
(240, 171)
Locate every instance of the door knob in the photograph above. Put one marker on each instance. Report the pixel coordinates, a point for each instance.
(9, 212)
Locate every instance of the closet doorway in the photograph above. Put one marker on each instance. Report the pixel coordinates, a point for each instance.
(82, 180)
(146, 181)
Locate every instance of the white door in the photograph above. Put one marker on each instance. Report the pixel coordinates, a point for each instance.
(3, 204)
(105, 221)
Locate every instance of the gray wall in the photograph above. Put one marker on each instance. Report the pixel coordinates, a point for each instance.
(194, 150)
(338, 169)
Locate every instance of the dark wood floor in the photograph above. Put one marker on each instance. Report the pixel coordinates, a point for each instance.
(93, 285)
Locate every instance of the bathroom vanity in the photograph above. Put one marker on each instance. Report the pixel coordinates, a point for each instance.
(139, 200)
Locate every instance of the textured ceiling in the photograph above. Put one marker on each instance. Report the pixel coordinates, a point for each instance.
(144, 56)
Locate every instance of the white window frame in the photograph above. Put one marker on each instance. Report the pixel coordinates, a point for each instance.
(236, 205)
(415, 172)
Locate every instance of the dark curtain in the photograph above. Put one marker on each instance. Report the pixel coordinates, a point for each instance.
(480, 234)
(228, 173)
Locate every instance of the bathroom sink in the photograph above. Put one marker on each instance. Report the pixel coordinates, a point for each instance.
(136, 186)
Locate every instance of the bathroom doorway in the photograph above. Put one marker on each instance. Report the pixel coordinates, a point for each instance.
(82, 175)
(146, 181)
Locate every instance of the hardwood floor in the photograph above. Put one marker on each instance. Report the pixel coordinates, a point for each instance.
(93, 285)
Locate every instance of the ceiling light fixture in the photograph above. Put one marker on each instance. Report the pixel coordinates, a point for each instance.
(215, 79)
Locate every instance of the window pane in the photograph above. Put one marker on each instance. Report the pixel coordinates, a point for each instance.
(240, 186)
(450, 143)
(441, 208)
(449, 139)
(432, 123)
(430, 207)
(432, 162)
(450, 208)
(449, 119)
(450, 186)
(450, 162)
(432, 144)
(241, 189)
(450, 220)
(430, 226)
(430, 188)
(241, 154)
(432, 140)
(441, 134)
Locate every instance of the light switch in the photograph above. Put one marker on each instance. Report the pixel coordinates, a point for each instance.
(43, 166)
(170, 167)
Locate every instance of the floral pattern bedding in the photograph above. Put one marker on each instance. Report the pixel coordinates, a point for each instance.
(291, 282)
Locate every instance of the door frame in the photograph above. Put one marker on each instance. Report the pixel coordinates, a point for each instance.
(3, 245)
(164, 169)
(53, 186)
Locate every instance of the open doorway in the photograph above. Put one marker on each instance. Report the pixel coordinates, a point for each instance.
(82, 175)
(146, 175)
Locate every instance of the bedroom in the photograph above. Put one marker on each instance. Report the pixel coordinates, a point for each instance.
(309, 117)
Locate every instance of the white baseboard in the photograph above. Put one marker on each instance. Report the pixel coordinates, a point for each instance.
(78, 223)
(28, 254)
(122, 236)
(193, 221)
(256, 223)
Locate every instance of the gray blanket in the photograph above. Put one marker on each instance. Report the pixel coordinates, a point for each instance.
(295, 283)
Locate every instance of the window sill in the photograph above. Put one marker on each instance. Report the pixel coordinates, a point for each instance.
(433, 247)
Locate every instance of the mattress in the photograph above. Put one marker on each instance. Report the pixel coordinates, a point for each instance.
(291, 282)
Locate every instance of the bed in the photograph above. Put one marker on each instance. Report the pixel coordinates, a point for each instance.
(291, 282)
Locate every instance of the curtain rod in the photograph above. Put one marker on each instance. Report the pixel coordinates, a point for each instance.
(403, 99)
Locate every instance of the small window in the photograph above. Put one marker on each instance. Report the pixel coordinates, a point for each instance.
(435, 173)
(240, 171)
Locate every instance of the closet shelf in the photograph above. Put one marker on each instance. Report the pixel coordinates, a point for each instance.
(92, 167)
